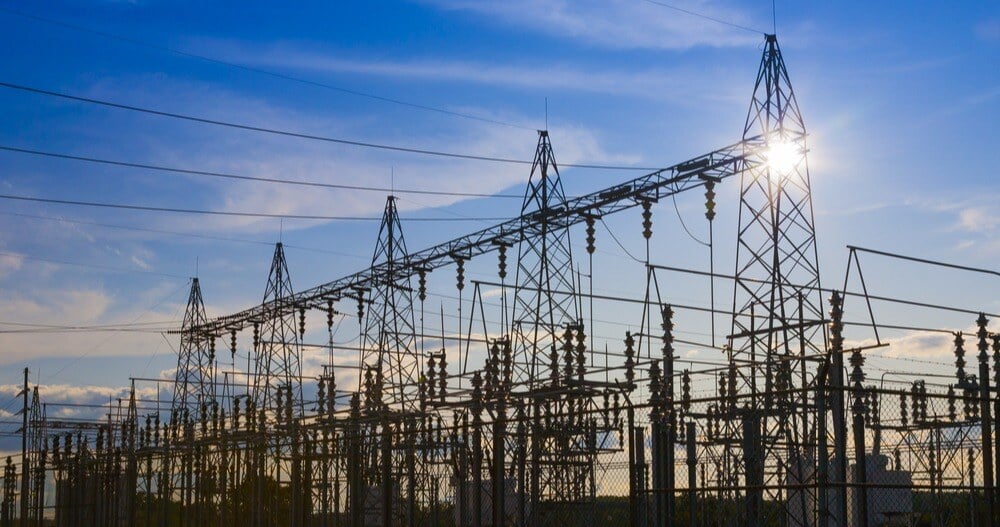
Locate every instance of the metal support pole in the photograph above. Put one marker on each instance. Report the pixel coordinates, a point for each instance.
(387, 480)
(633, 488)
(986, 420)
(753, 463)
(498, 477)
(822, 459)
(692, 466)
(25, 465)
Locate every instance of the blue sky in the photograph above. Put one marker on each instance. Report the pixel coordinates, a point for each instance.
(901, 100)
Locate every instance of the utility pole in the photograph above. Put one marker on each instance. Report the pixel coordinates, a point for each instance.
(25, 469)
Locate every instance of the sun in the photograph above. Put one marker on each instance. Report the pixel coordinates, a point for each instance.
(783, 156)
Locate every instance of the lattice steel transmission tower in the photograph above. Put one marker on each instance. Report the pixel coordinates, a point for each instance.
(277, 357)
(777, 325)
(544, 298)
(389, 337)
(194, 379)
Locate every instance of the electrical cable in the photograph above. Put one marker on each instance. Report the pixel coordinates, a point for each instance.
(260, 71)
(679, 217)
(181, 234)
(299, 135)
(619, 243)
(706, 17)
(147, 166)
(226, 213)
(92, 266)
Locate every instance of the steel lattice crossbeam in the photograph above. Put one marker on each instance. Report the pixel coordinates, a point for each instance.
(719, 164)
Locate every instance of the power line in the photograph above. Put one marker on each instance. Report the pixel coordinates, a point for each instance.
(925, 261)
(706, 17)
(225, 213)
(90, 266)
(170, 323)
(147, 166)
(176, 233)
(299, 135)
(262, 71)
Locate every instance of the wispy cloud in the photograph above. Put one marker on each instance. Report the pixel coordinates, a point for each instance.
(270, 157)
(665, 82)
(619, 23)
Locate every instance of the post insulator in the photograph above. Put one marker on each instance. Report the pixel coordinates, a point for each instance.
(710, 200)
(256, 335)
(647, 222)
(361, 305)
(629, 358)
(960, 357)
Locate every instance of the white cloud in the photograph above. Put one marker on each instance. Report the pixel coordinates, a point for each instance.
(980, 219)
(671, 83)
(262, 157)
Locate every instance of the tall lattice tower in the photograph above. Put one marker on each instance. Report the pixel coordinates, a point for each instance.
(389, 337)
(544, 300)
(777, 325)
(277, 352)
(193, 381)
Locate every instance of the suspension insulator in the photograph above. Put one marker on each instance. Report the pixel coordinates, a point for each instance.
(256, 335)
(232, 342)
(591, 239)
(329, 315)
(710, 200)
(211, 349)
(422, 284)
(502, 261)
(361, 305)
(460, 273)
(647, 219)
(302, 323)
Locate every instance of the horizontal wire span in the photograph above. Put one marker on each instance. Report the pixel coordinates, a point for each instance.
(299, 135)
(228, 213)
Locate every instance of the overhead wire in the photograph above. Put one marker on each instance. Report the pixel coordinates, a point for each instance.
(179, 234)
(706, 17)
(299, 135)
(160, 168)
(261, 71)
(179, 210)
(86, 353)
(90, 266)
